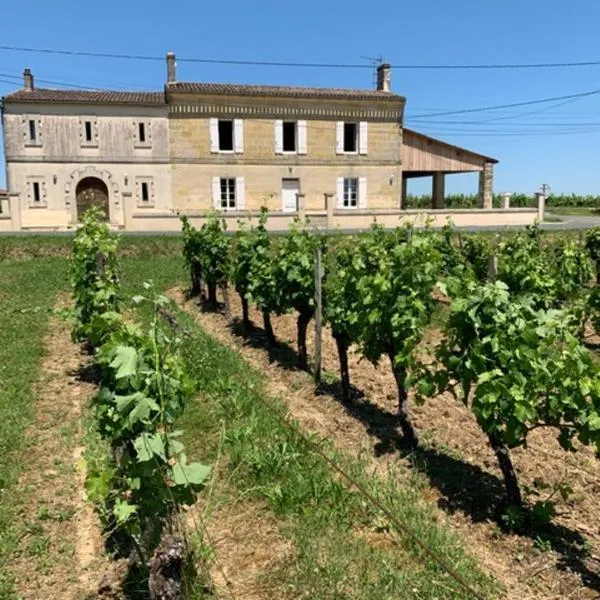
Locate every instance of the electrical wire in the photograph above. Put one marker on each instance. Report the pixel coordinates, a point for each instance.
(488, 66)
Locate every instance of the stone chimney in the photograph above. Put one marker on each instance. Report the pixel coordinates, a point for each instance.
(171, 76)
(27, 80)
(384, 78)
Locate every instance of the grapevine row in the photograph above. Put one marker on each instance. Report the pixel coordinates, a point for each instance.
(512, 348)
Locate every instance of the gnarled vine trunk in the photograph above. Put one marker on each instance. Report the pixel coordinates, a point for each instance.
(511, 482)
(304, 318)
(245, 311)
(268, 327)
(196, 275)
(225, 293)
(408, 430)
(343, 342)
(167, 570)
(212, 294)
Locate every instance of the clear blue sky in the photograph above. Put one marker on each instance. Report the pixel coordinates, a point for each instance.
(433, 32)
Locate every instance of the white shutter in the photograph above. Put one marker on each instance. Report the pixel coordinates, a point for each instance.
(214, 135)
(240, 193)
(340, 192)
(339, 137)
(362, 192)
(362, 137)
(216, 193)
(238, 135)
(279, 136)
(302, 146)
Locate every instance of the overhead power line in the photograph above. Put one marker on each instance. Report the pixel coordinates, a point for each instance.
(510, 105)
(263, 63)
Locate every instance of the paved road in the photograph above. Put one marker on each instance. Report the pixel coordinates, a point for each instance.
(573, 222)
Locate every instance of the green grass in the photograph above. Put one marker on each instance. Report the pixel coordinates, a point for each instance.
(327, 522)
(27, 293)
(584, 211)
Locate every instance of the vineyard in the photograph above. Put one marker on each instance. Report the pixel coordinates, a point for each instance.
(516, 201)
(394, 414)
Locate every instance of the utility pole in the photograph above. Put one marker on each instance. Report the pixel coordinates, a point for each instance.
(545, 189)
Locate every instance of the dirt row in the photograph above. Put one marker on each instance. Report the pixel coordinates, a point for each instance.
(61, 550)
(463, 478)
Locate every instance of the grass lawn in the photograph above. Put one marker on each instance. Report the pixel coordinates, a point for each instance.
(583, 211)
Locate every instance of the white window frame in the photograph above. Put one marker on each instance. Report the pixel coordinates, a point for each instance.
(238, 190)
(137, 142)
(238, 136)
(344, 200)
(149, 181)
(41, 182)
(361, 137)
(93, 143)
(37, 119)
(301, 137)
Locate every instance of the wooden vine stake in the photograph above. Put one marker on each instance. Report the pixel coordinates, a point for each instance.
(318, 314)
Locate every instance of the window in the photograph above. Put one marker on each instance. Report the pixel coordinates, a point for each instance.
(88, 131)
(289, 136)
(145, 194)
(226, 136)
(144, 191)
(37, 198)
(350, 137)
(227, 193)
(350, 192)
(142, 132)
(32, 131)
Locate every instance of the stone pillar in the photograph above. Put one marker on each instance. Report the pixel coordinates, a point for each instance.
(404, 192)
(506, 200)
(127, 200)
(14, 206)
(486, 186)
(438, 190)
(329, 206)
(540, 202)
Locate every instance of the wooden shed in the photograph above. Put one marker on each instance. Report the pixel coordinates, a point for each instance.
(424, 156)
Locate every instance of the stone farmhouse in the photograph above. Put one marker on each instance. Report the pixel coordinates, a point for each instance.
(339, 156)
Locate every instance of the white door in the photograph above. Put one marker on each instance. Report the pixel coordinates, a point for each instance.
(289, 189)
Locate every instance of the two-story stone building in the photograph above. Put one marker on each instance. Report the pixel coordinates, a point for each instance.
(340, 156)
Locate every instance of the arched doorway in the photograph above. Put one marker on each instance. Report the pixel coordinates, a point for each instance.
(92, 191)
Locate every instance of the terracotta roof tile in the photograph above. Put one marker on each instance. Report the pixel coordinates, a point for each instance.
(87, 96)
(276, 90)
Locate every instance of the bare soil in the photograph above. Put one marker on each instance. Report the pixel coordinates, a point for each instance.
(61, 551)
(561, 561)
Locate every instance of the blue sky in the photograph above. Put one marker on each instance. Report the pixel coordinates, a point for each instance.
(404, 32)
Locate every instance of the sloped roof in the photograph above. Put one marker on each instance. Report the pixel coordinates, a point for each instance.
(231, 89)
(87, 97)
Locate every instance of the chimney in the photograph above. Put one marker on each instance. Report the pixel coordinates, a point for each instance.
(27, 80)
(171, 77)
(384, 78)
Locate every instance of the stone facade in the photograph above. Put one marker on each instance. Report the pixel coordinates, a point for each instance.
(150, 156)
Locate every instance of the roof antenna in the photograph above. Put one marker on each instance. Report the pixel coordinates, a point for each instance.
(375, 62)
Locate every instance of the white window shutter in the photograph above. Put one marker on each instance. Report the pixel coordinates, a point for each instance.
(238, 136)
(216, 193)
(339, 137)
(362, 137)
(278, 136)
(362, 192)
(340, 192)
(302, 145)
(214, 135)
(240, 193)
